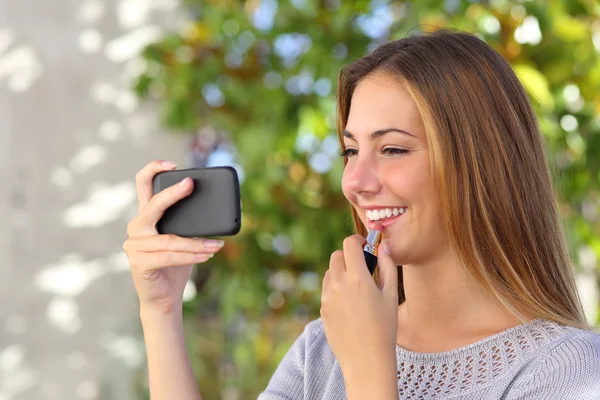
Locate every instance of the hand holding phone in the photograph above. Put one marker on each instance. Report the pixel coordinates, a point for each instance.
(161, 264)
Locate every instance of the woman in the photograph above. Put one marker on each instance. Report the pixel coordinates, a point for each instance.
(443, 153)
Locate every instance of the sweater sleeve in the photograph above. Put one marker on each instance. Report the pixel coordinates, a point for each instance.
(287, 383)
(570, 370)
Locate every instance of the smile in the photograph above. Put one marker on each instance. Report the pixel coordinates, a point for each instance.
(384, 217)
(381, 214)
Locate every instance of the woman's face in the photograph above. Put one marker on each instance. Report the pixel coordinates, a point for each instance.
(387, 178)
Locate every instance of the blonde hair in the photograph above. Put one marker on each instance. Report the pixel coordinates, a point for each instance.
(488, 166)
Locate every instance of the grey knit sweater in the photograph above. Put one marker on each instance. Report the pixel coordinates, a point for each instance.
(537, 360)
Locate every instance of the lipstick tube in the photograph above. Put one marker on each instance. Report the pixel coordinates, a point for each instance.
(371, 247)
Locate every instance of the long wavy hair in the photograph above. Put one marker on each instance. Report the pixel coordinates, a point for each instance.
(489, 168)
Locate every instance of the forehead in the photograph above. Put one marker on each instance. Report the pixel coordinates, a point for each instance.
(380, 101)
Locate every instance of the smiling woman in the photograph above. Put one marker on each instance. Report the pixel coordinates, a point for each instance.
(442, 150)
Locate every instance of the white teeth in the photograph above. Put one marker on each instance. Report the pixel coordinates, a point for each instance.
(376, 215)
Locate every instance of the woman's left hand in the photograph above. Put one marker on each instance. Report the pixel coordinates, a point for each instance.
(360, 319)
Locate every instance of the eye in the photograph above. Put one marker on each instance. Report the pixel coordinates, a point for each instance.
(348, 153)
(394, 151)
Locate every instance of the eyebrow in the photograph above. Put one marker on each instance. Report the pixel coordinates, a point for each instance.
(378, 133)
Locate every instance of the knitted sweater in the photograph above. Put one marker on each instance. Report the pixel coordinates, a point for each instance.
(537, 360)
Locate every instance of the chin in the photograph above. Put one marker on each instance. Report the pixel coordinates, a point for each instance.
(393, 251)
(397, 260)
(401, 253)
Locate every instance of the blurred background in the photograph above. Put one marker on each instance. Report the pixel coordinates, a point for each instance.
(92, 90)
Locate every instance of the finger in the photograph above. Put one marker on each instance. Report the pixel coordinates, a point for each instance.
(158, 204)
(325, 283)
(164, 259)
(388, 273)
(143, 180)
(354, 256)
(325, 292)
(337, 265)
(168, 242)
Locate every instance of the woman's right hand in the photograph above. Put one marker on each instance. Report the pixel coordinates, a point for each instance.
(161, 264)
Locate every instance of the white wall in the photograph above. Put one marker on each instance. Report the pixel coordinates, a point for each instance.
(71, 139)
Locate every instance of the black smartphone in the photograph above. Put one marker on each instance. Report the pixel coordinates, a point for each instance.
(212, 209)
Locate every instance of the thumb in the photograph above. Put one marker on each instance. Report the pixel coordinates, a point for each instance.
(388, 273)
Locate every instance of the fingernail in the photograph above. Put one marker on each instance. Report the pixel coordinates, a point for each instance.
(386, 249)
(213, 244)
(185, 182)
(168, 164)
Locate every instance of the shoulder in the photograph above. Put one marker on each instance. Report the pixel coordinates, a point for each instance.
(308, 369)
(566, 366)
(318, 355)
(314, 328)
(314, 337)
(576, 350)
(311, 344)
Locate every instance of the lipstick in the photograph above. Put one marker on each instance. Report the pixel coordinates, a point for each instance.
(371, 247)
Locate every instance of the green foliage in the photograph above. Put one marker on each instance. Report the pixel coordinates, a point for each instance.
(269, 103)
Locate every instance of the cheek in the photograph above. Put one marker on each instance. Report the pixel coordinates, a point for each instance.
(411, 180)
(423, 187)
(400, 182)
(346, 186)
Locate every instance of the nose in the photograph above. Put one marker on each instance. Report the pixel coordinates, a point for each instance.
(361, 177)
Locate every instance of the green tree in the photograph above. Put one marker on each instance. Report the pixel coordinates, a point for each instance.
(262, 74)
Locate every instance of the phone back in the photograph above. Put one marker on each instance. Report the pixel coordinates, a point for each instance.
(212, 209)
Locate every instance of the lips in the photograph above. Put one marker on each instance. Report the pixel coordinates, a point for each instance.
(383, 223)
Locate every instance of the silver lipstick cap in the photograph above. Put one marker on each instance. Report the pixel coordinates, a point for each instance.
(373, 240)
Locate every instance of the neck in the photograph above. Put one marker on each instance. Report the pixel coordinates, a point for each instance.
(445, 308)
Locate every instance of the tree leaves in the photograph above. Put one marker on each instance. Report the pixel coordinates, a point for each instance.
(536, 84)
